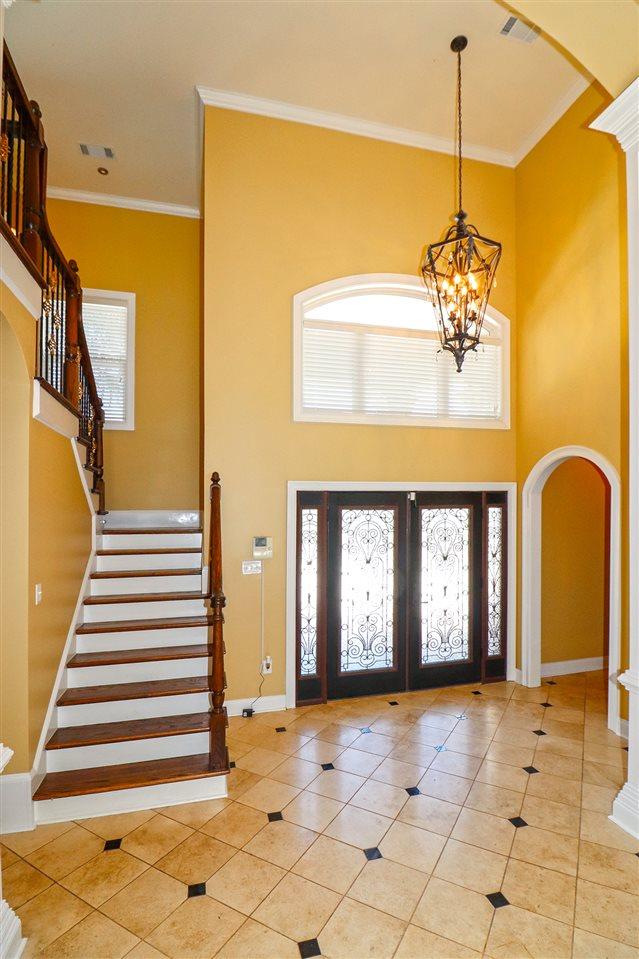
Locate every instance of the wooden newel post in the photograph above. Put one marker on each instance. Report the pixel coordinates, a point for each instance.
(34, 188)
(216, 602)
(73, 293)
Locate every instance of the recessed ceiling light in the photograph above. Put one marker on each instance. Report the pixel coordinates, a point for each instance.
(99, 152)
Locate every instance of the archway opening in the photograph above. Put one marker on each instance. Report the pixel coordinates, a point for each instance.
(570, 577)
(575, 569)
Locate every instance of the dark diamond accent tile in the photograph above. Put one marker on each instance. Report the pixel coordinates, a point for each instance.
(280, 729)
(373, 853)
(497, 900)
(366, 729)
(327, 766)
(232, 765)
(476, 692)
(625, 747)
(539, 732)
(275, 816)
(412, 790)
(551, 682)
(112, 844)
(393, 702)
(546, 705)
(530, 769)
(518, 822)
(309, 948)
(197, 889)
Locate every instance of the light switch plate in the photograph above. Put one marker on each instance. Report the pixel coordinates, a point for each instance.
(251, 567)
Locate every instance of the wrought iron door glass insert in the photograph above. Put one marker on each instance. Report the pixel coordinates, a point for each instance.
(367, 589)
(445, 585)
(308, 591)
(494, 586)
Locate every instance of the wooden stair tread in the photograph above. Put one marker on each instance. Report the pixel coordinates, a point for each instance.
(78, 782)
(141, 598)
(123, 656)
(148, 552)
(133, 573)
(116, 692)
(69, 737)
(132, 625)
(127, 531)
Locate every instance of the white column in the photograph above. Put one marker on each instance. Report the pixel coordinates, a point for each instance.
(11, 942)
(621, 119)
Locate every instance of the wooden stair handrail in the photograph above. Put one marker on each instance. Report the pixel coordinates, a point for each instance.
(63, 361)
(216, 601)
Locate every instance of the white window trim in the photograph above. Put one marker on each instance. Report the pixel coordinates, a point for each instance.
(129, 299)
(341, 286)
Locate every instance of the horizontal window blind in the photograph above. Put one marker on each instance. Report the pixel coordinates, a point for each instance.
(106, 327)
(395, 373)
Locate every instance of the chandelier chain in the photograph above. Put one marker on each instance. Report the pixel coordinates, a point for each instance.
(459, 130)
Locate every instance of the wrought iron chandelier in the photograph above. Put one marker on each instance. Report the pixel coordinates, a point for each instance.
(459, 270)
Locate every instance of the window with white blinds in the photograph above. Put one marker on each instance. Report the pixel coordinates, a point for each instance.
(367, 351)
(109, 327)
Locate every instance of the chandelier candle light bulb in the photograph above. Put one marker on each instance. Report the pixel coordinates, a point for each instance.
(459, 271)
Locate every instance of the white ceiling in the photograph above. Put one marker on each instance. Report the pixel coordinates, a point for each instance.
(123, 74)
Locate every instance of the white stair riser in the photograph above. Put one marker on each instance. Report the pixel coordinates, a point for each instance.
(136, 672)
(126, 800)
(150, 540)
(106, 564)
(120, 711)
(110, 754)
(140, 639)
(155, 609)
(120, 586)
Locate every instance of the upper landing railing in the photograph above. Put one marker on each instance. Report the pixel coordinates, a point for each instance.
(63, 362)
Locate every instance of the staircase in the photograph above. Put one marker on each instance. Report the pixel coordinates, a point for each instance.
(133, 727)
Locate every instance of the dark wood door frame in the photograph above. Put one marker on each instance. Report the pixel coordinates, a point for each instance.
(509, 572)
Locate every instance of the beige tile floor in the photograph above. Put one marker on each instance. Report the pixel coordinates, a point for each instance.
(363, 828)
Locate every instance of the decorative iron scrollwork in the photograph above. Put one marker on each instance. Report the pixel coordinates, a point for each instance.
(52, 345)
(495, 546)
(367, 589)
(445, 585)
(308, 591)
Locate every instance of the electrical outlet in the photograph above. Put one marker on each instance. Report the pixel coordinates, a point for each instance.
(251, 567)
(38, 593)
(267, 666)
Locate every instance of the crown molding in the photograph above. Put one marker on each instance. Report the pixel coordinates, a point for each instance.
(621, 117)
(123, 202)
(550, 119)
(282, 110)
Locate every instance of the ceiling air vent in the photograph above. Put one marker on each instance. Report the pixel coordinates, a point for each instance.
(516, 29)
(101, 153)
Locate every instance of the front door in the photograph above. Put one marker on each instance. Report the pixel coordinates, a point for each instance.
(399, 591)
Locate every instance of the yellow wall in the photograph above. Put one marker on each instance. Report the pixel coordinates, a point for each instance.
(602, 36)
(15, 394)
(53, 551)
(157, 257)
(574, 563)
(288, 206)
(571, 315)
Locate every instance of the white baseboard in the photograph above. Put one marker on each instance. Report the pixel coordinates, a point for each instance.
(518, 677)
(16, 805)
(566, 666)
(265, 704)
(130, 800)
(625, 809)
(11, 942)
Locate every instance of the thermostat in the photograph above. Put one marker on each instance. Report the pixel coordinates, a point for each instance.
(262, 547)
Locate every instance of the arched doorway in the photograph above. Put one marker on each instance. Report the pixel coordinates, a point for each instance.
(532, 568)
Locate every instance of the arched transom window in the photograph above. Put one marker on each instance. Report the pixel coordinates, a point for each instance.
(366, 350)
